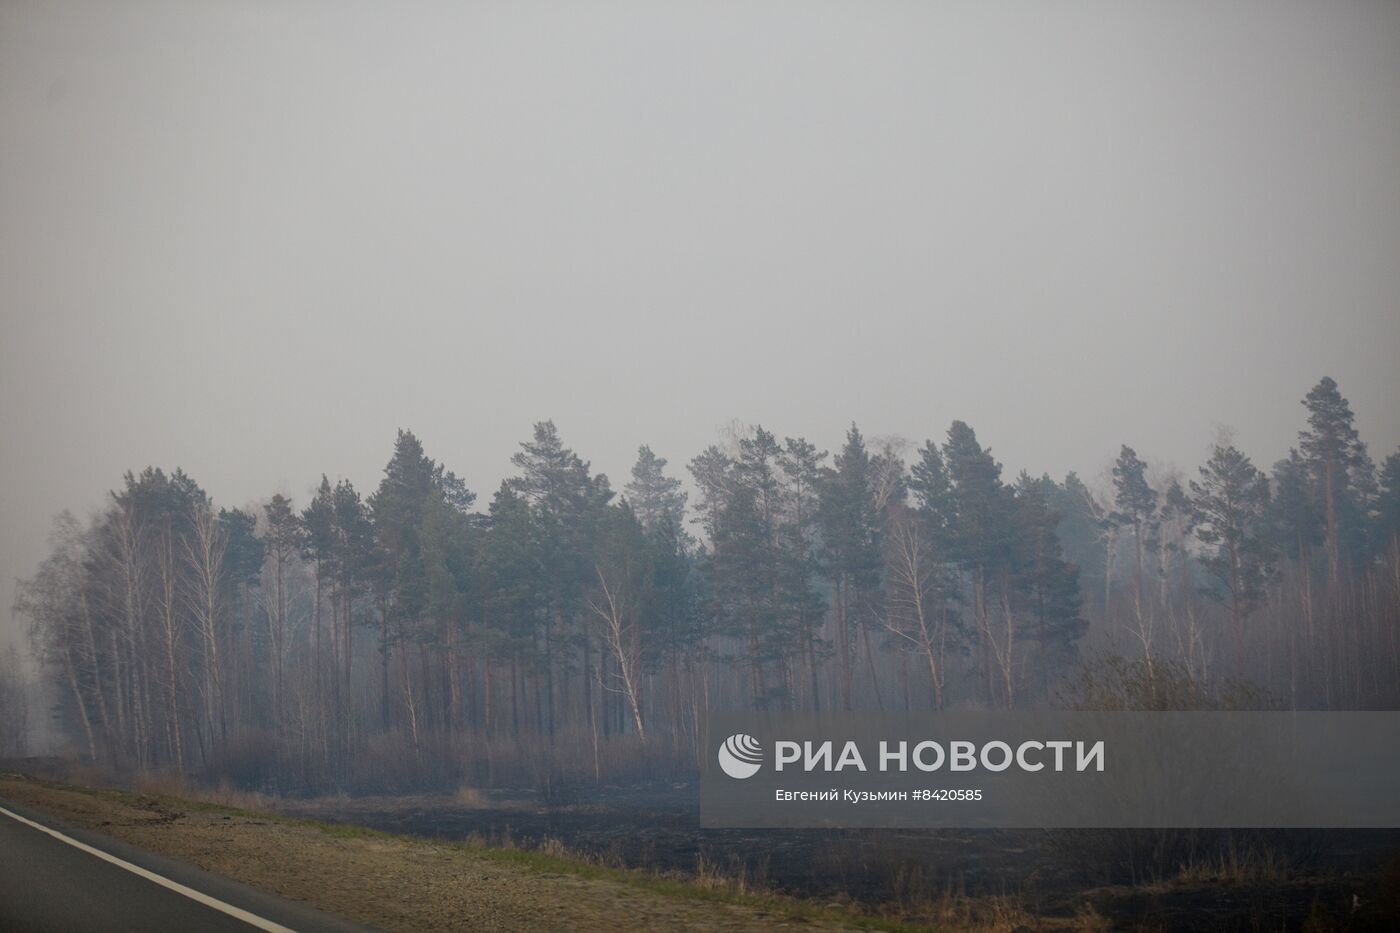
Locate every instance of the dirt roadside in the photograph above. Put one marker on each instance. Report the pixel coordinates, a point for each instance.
(397, 883)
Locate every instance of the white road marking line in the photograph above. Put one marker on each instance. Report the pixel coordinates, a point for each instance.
(236, 912)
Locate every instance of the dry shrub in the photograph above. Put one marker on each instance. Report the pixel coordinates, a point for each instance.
(556, 849)
(1113, 683)
(997, 913)
(732, 875)
(1240, 861)
(226, 794)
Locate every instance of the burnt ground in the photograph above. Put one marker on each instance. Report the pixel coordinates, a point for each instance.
(1314, 881)
(658, 828)
(1206, 880)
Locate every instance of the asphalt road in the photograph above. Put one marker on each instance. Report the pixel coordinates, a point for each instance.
(48, 884)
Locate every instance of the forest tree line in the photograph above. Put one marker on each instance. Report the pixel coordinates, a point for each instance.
(408, 637)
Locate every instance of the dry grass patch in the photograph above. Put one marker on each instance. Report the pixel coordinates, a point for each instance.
(402, 883)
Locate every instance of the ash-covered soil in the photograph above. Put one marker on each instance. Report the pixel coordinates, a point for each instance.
(1279, 879)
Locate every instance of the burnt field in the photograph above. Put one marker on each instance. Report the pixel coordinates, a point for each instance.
(1328, 879)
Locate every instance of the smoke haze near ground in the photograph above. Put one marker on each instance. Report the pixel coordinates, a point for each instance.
(252, 241)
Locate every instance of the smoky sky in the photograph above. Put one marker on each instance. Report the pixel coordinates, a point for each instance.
(253, 239)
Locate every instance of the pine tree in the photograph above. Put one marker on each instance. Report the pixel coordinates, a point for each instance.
(654, 496)
(450, 538)
(933, 493)
(1049, 584)
(283, 540)
(1135, 507)
(318, 547)
(1229, 509)
(244, 553)
(850, 550)
(358, 564)
(1295, 518)
(1387, 532)
(566, 501)
(802, 607)
(423, 571)
(659, 504)
(1081, 532)
(745, 560)
(982, 540)
(1332, 451)
(397, 509)
(514, 606)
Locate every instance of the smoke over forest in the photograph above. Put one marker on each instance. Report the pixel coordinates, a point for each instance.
(1144, 254)
(565, 627)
